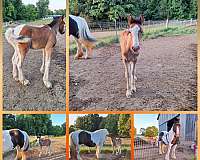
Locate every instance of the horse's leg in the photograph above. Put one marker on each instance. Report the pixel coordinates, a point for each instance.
(79, 52)
(97, 152)
(48, 52)
(23, 155)
(133, 87)
(160, 147)
(78, 154)
(88, 52)
(173, 155)
(15, 59)
(49, 150)
(40, 151)
(127, 76)
(168, 151)
(22, 49)
(43, 61)
(18, 155)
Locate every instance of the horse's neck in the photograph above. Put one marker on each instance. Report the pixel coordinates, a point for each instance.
(55, 28)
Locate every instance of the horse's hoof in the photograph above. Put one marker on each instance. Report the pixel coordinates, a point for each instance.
(48, 84)
(16, 78)
(135, 78)
(128, 94)
(25, 82)
(133, 90)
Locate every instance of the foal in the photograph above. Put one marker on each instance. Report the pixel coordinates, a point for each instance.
(130, 46)
(44, 142)
(25, 37)
(171, 139)
(116, 143)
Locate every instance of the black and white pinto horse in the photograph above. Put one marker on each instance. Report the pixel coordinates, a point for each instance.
(170, 139)
(16, 139)
(79, 29)
(90, 139)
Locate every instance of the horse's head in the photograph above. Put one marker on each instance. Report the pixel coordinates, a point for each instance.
(136, 30)
(176, 129)
(61, 25)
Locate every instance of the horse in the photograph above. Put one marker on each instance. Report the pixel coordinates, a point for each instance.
(44, 142)
(16, 139)
(130, 46)
(79, 29)
(90, 139)
(24, 37)
(169, 138)
(116, 143)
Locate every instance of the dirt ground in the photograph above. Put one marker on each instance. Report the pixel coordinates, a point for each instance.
(35, 96)
(58, 150)
(182, 153)
(166, 72)
(108, 156)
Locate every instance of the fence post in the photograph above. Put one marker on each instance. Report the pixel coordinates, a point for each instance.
(191, 21)
(116, 29)
(167, 22)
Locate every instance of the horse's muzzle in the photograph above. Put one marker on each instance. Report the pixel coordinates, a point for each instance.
(135, 49)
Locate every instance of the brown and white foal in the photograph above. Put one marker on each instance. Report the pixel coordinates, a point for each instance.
(130, 46)
(44, 142)
(25, 37)
(116, 143)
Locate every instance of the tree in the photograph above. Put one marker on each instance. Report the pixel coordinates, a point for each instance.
(111, 123)
(31, 12)
(42, 7)
(151, 131)
(124, 125)
(89, 122)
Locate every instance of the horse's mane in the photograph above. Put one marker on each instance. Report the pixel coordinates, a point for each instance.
(54, 22)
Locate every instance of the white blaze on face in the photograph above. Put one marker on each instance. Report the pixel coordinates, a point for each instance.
(177, 130)
(135, 33)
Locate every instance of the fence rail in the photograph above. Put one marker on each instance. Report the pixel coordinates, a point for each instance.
(119, 25)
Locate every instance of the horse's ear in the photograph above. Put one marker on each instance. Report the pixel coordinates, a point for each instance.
(142, 18)
(62, 17)
(130, 20)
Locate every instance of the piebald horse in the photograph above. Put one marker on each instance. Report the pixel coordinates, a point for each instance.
(130, 46)
(16, 139)
(169, 139)
(79, 29)
(44, 142)
(24, 37)
(90, 139)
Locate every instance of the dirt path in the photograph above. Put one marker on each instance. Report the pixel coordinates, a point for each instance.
(35, 96)
(107, 156)
(166, 71)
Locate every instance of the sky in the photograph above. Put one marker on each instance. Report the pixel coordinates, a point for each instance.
(58, 119)
(73, 117)
(145, 120)
(53, 4)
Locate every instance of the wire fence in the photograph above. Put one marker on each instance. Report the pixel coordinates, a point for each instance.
(145, 149)
(99, 26)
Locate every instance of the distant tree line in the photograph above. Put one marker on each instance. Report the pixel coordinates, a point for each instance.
(33, 124)
(114, 123)
(15, 10)
(119, 9)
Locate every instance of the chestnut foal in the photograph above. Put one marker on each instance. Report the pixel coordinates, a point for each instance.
(25, 37)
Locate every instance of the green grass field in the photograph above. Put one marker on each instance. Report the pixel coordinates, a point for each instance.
(149, 33)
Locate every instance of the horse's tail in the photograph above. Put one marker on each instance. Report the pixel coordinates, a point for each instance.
(86, 34)
(12, 38)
